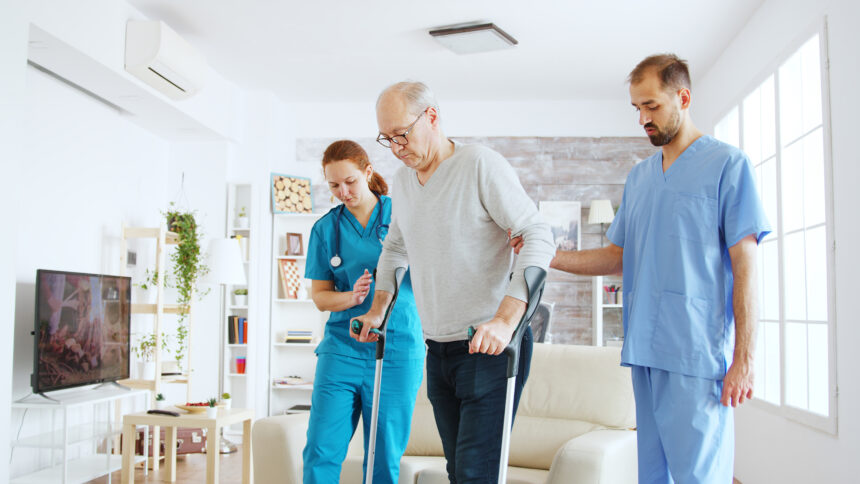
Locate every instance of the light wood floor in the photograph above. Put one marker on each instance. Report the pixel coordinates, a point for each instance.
(190, 469)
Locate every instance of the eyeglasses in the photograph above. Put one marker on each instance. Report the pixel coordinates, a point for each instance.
(399, 139)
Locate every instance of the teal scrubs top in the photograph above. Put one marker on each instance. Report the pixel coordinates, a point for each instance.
(359, 250)
(676, 228)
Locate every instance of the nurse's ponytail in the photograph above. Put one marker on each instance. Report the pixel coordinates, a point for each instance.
(377, 184)
(350, 150)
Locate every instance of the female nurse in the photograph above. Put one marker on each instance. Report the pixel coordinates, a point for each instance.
(343, 250)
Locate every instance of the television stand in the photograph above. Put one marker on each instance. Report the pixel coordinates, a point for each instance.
(33, 398)
(107, 405)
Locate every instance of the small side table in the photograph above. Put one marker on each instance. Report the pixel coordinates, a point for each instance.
(189, 420)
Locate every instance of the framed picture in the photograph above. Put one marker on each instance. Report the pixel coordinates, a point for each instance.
(565, 220)
(294, 244)
(290, 194)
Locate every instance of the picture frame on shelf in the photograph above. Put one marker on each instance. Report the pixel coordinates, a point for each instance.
(290, 194)
(290, 279)
(565, 220)
(294, 244)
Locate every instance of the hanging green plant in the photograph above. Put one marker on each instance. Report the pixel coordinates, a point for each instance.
(188, 267)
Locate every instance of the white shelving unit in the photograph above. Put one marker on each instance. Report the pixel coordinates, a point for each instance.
(163, 238)
(291, 359)
(599, 305)
(240, 197)
(101, 435)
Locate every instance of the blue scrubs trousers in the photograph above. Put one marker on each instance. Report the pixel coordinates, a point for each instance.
(468, 397)
(343, 390)
(684, 434)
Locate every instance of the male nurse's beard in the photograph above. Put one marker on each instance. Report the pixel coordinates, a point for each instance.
(660, 137)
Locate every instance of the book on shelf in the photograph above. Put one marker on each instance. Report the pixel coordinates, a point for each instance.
(299, 336)
(299, 409)
(289, 381)
(237, 330)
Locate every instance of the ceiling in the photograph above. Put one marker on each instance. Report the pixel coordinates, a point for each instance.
(347, 51)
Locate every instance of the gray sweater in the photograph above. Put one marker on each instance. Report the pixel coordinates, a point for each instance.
(452, 234)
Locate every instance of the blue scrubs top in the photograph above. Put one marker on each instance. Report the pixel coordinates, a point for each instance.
(360, 248)
(676, 228)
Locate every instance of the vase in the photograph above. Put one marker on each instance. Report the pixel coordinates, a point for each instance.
(226, 403)
(146, 370)
(161, 404)
(240, 300)
(211, 412)
(242, 222)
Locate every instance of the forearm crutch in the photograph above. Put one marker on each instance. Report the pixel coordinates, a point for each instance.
(535, 278)
(377, 377)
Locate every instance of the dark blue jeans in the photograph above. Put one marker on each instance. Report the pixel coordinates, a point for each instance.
(468, 397)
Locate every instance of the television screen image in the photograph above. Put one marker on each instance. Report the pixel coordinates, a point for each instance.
(82, 329)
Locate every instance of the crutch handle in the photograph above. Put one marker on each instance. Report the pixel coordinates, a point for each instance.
(535, 278)
(399, 273)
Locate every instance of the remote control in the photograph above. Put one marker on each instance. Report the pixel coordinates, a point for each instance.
(163, 412)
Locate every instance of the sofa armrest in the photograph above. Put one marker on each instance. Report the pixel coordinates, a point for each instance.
(600, 456)
(278, 443)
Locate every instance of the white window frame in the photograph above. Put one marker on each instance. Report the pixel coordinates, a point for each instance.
(824, 423)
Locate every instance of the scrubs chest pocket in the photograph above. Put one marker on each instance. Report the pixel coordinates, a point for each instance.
(686, 326)
(695, 218)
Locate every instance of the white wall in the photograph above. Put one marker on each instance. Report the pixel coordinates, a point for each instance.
(771, 448)
(80, 181)
(13, 44)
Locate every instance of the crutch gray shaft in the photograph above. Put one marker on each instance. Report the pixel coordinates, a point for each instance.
(506, 429)
(374, 420)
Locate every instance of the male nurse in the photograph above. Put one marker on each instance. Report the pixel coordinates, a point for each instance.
(685, 235)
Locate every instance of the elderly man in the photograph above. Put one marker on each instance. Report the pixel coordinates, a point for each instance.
(453, 205)
(686, 235)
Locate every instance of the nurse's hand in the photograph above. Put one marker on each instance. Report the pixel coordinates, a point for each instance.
(738, 384)
(516, 243)
(361, 288)
(368, 321)
(491, 337)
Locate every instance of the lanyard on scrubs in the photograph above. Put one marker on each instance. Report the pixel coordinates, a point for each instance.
(336, 261)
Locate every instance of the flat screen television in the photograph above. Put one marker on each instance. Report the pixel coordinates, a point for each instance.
(83, 323)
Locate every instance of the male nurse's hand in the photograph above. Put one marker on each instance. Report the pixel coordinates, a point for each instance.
(738, 384)
(516, 243)
(492, 337)
(361, 288)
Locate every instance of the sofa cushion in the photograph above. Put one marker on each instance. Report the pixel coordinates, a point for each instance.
(583, 383)
(562, 401)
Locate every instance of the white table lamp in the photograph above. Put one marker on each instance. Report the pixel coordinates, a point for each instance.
(225, 267)
(601, 212)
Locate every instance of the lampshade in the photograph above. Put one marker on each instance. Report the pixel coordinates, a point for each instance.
(601, 212)
(225, 263)
(472, 38)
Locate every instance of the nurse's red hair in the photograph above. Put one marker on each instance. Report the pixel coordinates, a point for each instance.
(344, 150)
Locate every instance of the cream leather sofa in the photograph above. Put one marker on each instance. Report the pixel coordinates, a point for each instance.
(573, 426)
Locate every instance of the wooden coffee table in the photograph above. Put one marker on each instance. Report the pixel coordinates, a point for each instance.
(188, 420)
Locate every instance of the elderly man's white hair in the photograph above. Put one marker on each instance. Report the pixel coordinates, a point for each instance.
(417, 95)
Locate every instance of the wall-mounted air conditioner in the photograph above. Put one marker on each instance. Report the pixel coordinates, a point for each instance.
(161, 58)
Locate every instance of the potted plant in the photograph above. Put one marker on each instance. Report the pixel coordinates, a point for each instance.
(240, 297)
(160, 402)
(226, 400)
(188, 267)
(242, 218)
(212, 409)
(145, 352)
